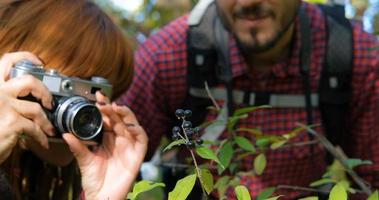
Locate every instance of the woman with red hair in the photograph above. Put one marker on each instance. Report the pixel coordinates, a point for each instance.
(76, 38)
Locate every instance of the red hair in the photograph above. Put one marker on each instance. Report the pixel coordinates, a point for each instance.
(73, 36)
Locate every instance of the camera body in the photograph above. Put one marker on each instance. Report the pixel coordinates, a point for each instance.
(74, 100)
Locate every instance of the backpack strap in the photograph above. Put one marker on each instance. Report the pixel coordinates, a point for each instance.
(335, 84)
(207, 57)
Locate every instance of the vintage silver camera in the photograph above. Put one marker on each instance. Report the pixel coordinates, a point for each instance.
(74, 100)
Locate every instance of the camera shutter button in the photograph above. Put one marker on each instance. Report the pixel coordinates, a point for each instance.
(100, 80)
(52, 72)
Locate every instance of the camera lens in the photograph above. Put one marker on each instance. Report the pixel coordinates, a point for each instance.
(78, 116)
(86, 121)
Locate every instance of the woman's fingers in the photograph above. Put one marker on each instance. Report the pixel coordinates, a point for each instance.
(8, 60)
(34, 112)
(139, 134)
(25, 85)
(101, 99)
(29, 128)
(82, 154)
(126, 114)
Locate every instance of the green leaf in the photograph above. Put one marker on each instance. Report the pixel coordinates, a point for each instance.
(354, 162)
(206, 179)
(235, 181)
(233, 167)
(226, 154)
(253, 131)
(338, 192)
(374, 196)
(249, 109)
(274, 198)
(263, 142)
(183, 188)
(223, 181)
(266, 193)
(295, 132)
(322, 182)
(232, 121)
(277, 145)
(244, 144)
(242, 193)
(206, 153)
(143, 186)
(309, 198)
(260, 163)
(174, 143)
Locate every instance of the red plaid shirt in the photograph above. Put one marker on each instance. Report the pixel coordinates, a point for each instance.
(160, 87)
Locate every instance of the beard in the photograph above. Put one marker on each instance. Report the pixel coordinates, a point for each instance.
(256, 46)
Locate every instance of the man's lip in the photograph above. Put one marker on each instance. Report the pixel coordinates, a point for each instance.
(252, 20)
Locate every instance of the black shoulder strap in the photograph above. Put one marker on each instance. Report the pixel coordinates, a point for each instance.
(335, 83)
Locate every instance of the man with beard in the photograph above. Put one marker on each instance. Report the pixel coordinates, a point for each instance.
(264, 52)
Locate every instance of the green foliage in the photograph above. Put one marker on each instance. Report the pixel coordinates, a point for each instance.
(274, 198)
(229, 152)
(260, 164)
(322, 182)
(206, 179)
(255, 132)
(242, 193)
(338, 192)
(246, 110)
(354, 162)
(374, 196)
(266, 193)
(143, 186)
(244, 143)
(277, 145)
(174, 143)
(207, 153)
(221, 185)
(183, 188)
(225, 154)
(309, 198)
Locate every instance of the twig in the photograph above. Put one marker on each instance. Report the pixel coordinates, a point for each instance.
(211, 96)
(198, 173)
(290, 187)
(341, 157)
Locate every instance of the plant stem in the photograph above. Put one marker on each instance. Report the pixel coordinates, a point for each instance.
(198, 174)
(290, 187)
(211, 96)
(341, 157)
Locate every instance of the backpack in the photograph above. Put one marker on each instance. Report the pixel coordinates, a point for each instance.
(208, 61)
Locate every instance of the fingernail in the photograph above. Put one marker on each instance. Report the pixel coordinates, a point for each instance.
(52, 131)
(102, 103)
(129, 125)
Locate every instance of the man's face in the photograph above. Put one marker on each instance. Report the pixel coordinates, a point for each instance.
(258, 24)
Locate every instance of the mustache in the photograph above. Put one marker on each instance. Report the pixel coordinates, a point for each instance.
(255, 11)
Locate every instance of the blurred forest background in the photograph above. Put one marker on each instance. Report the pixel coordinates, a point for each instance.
(140, 18)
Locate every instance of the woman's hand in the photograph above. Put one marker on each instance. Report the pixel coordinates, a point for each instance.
(22, 118)
(108, 172)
